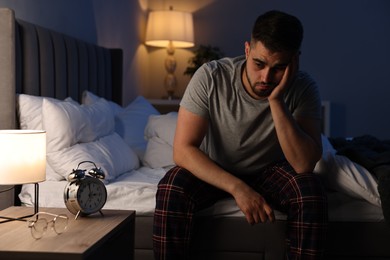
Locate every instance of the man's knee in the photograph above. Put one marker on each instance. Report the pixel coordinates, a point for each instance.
(310, 189)
(177, 177)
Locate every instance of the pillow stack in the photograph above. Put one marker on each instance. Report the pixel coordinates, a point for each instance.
(130, 122)
(77, 133)
(29, 110)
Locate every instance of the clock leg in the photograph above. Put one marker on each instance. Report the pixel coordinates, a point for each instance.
(77, 215)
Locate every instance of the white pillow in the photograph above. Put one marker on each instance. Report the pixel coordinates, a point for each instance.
(67, 124)
(158, 153)
(130, 124)
(88, 98)
(163, 126)
(77, 133)
(341, 174)
(159, 132)
(51, 175)
(109, 152)
(327, 147)
(29, 109)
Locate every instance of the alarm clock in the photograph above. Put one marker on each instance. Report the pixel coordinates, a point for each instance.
(85, 193)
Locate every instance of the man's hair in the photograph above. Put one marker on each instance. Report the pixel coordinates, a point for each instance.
(278, 31)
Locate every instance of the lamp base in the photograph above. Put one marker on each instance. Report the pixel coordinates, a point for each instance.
(36, 207)
(170, 82)
(171, 97)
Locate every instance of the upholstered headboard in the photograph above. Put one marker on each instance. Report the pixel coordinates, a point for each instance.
(42, 62)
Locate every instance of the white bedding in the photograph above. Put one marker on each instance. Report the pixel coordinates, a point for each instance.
(146, 139)
(136, 191)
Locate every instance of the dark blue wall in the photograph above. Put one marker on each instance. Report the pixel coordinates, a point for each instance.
(346, 44)
(346, 49)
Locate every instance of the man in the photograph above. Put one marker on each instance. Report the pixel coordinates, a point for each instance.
(248, 127)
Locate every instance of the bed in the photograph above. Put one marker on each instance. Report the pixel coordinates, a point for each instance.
(47, 77)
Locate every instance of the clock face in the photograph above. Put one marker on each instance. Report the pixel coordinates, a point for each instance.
(91, 195)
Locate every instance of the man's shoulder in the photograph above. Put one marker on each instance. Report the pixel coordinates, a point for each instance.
(227, 63)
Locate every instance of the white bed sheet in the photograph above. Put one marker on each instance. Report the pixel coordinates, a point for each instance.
(136, 190)
(341, 207)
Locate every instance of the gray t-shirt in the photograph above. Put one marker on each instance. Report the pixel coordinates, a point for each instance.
(241, 136)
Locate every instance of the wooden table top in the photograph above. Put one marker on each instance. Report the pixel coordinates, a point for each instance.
(80, 235)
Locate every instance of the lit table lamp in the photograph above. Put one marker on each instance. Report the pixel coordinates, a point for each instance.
(170, 29)
(22, 160)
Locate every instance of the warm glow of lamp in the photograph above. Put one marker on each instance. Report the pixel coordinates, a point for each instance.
(170, 29)
(23, 159)
(166, 26)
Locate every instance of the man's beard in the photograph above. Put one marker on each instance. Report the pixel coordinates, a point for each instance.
(260, 92)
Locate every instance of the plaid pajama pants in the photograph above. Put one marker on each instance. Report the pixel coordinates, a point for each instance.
(301, 196)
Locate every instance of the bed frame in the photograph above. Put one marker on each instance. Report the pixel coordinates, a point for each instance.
(37, 61)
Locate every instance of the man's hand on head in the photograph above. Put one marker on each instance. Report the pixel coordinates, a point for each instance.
(289, 74)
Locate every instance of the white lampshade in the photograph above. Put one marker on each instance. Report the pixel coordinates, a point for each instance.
(170, 26)
(22, 156)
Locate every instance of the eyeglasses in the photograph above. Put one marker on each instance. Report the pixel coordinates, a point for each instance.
(39, 224)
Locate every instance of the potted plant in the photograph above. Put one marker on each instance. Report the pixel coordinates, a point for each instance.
(203, 54)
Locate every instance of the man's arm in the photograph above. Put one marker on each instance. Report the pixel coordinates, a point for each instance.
(190, 131)
(300, 139)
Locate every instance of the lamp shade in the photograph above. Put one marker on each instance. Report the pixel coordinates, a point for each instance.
(22, 156)
(166, 26)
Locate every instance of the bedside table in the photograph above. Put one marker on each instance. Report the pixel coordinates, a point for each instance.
(7, 196)
(110, 236)
(165, 105)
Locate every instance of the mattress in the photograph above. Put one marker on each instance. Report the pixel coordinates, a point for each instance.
(136, 190)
